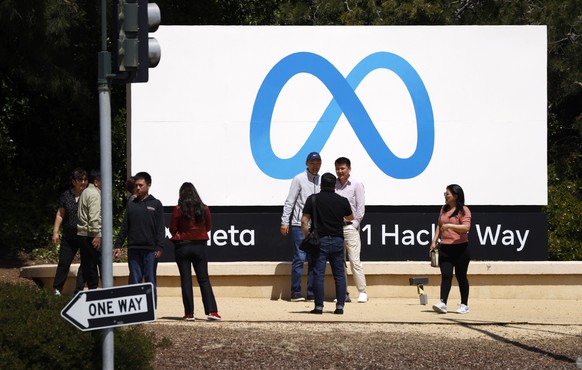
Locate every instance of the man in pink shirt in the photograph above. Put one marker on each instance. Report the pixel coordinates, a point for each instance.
(353, 190)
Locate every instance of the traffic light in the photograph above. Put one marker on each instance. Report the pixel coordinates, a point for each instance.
(134, 51)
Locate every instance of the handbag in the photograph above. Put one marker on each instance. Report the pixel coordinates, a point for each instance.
(310, 243)
(434, 255)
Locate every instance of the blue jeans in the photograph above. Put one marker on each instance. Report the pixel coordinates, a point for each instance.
(299, 258)
(142, 266)
(332, 250)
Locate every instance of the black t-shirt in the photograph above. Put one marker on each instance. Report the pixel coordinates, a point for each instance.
(331, 209)
(68, 202)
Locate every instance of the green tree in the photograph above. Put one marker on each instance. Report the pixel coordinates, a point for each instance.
(564, 24)
(225, 12)
(49, 121)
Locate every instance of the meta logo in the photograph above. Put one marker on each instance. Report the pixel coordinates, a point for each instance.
(344, 101)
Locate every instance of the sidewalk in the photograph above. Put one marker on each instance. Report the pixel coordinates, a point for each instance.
(384, 310)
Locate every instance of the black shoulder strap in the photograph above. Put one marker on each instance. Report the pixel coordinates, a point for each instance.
(314, 223)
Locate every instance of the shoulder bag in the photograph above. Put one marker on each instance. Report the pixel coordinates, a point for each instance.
(434, 254)
(310, 243)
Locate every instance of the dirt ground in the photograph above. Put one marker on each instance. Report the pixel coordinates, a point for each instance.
(347, 345)
(298, 345)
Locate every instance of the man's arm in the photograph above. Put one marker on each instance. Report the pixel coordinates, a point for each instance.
(360, 210)
(94, 215)
(294, 191)
(160, 229)
(305, 224)
(57, 225)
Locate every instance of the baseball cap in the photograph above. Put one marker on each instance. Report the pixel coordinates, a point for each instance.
(313, 155)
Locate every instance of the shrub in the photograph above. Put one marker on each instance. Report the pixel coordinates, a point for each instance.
(33, 335)
(46, 254)
(564, 224)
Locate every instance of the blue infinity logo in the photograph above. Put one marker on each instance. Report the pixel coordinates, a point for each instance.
(344, 101)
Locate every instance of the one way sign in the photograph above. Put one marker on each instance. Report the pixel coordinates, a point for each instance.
(111, 307)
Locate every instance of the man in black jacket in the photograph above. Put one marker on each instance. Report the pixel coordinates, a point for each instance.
(143, 226)
(329, 213)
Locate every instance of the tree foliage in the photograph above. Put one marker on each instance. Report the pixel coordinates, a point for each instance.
(39, 131)
(49, 120)
(564, 210)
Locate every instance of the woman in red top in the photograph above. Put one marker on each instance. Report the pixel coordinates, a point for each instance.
(189, 226)
(454, 225)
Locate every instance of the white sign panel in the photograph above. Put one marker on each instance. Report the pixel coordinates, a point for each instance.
(236, 110)
(111, 307)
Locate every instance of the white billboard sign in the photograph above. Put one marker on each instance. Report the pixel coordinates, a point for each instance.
(235, 110)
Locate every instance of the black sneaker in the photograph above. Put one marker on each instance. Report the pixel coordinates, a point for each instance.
(348, 300)
(316, 311)
(339, 311)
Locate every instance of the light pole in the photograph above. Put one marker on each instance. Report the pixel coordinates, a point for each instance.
(104, 73)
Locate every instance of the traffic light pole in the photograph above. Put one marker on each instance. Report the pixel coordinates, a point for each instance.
(104, 72)
(135, 53)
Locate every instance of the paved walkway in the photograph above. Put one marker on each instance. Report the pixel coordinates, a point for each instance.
(384, 310)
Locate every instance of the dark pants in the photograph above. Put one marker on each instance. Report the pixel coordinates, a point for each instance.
(455, 256)
(194, 252)
(70, 245)
(90, 262)
(332, 250)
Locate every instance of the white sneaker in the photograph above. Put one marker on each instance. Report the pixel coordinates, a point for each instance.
(362, 297)
(57, 292)
(440, 307)
(463, 308)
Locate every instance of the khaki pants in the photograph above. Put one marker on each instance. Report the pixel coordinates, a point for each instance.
(352, 247)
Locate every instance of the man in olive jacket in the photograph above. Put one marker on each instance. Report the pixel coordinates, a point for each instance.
(89, 229)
